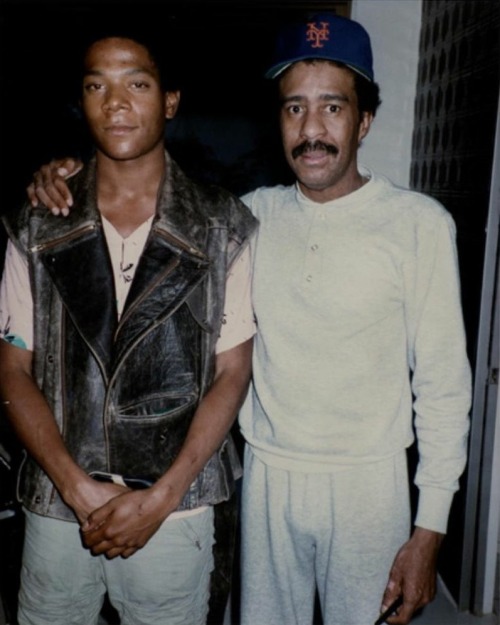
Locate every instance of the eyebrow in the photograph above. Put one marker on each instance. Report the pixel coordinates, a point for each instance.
(325, 97)
(130, 72)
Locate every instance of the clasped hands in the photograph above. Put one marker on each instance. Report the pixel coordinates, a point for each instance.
(124, 523)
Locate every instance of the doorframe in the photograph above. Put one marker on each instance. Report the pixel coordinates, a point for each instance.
(477, 580)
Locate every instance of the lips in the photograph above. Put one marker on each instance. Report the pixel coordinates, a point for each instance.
(314, 155)
(119, 129)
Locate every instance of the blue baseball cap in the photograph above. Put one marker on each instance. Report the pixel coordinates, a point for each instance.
(324, 36)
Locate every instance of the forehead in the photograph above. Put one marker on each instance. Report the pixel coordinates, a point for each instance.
(118, 52)
(309, 77)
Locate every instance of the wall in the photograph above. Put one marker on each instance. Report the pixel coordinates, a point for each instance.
(394, 27)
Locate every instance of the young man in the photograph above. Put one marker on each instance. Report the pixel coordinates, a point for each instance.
(116, 370)
(356, 296)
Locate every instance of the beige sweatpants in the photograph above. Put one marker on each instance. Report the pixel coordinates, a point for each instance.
(337, 532)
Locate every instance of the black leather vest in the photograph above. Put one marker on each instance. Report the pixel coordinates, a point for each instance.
(123, 394)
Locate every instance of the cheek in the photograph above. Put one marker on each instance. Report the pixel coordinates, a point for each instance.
(152, 115)
(289, 136)
(91, 113)
(287, 148)
(159, 127)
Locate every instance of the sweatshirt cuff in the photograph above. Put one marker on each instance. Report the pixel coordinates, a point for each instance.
(433, 509)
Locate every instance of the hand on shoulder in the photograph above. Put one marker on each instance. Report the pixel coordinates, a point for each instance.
(49, 185)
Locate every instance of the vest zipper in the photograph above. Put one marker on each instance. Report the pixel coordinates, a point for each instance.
(129, 350)
(62, 368)
(88, 227)
(168, 236)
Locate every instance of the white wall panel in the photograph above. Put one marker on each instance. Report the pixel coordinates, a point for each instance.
(394, 27)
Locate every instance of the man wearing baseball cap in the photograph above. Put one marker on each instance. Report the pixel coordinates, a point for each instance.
(360, 350)
(356, 296)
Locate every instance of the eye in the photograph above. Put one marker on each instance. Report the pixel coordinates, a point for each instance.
(92, 86)
(140, 85)
(294, 109)
(333, 108)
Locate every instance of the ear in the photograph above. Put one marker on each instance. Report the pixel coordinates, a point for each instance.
(364, 125)
(172, 99)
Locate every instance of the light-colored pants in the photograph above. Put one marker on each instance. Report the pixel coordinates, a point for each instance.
(336, 531)
(164, 583)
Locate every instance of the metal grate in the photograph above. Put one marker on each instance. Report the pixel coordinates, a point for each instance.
(452, 154)
(456, 101)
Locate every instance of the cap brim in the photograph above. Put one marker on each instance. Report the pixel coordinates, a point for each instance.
(278, 69)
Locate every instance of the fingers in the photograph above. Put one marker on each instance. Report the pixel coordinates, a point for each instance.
(123, 525)
(68, 167)
(110, 550)
(113, 552)
(414, 596)
(403, 614)
(30, 190)
(392, 603)
(391, 595)
(126, 553)
(49, 186)
(47, 194)
(388, 612)
(103, 540)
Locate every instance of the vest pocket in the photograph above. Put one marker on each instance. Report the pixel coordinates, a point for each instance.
(145, 437)
(156, 407)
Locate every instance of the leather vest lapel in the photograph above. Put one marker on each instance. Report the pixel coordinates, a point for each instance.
(165, 276)
(81, 272)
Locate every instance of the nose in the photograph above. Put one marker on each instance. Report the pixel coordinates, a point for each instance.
(116, 99)
(312, 125)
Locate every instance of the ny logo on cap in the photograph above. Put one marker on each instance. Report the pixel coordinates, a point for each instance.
(317, 35)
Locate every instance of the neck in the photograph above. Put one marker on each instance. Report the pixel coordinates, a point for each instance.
(130, 177)
(343, 187)
(127, 190)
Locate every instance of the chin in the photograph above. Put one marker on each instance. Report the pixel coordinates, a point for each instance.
(314, 184)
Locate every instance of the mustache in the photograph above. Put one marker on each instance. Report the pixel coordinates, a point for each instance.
(311, 146)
